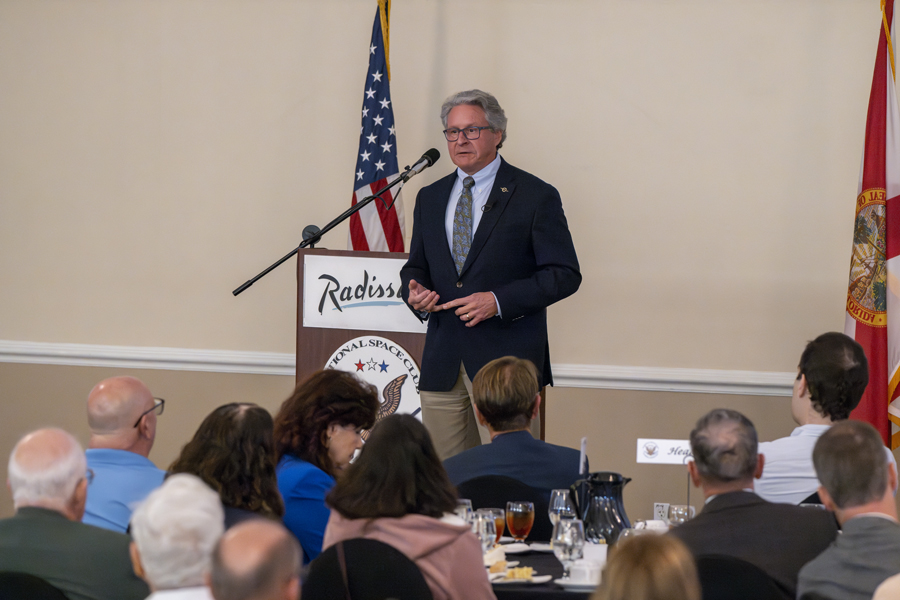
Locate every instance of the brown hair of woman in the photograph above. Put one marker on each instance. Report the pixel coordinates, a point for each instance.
(325, 398)
(397, 473)
(233, 452)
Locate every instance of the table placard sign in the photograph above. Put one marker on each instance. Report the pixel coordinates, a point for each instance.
(663, 452)
(356, 293)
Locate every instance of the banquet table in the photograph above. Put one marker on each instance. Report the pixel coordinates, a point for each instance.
(544, 563)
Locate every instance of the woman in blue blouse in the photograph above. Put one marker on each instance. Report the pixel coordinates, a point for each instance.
(317, 431)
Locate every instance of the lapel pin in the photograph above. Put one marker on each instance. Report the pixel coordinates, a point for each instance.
(504, 190)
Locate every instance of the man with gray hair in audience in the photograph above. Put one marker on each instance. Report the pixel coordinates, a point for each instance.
(858, 483)
(777, 538)
(122, 417)
(256, 560)
(48, 478)
(175, 530)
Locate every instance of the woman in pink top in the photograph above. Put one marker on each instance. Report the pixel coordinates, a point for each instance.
(398, 493)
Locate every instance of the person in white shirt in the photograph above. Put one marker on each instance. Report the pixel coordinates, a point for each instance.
(175, 530)
(832, 375)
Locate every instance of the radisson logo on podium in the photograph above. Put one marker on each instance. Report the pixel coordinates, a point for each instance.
(348, 292)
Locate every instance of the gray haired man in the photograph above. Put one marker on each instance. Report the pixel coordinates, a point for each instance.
(175, 530)
(858, 483)
(49, 478)
(777, 538)
(490, 251)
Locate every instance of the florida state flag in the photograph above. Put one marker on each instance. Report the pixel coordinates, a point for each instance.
(873, 295)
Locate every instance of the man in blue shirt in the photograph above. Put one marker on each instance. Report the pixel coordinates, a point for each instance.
(122, 419)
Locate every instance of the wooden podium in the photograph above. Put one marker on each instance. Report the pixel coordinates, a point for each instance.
(316, 344)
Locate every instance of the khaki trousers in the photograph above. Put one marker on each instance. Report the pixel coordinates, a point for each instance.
(451, 421)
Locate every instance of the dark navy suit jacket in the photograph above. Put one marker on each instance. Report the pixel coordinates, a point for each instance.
(520, 456)
(522, 252)
(778, 538)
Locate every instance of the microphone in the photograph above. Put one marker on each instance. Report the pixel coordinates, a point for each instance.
(428, 159)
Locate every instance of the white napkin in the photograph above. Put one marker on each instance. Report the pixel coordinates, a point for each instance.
(494, 555)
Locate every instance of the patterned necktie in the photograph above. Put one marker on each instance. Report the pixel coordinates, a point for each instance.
(462, 225)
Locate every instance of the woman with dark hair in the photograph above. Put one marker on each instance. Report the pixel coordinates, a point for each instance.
(317, 431)
(397, 492)
(233, 452)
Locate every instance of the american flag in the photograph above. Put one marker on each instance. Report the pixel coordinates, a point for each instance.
(376, 227)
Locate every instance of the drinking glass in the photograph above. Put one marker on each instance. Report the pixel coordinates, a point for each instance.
(464, 509)
(519, 519)
(485, 529)
(568, 542)
(499, 516)
(680, 513)
(560, 506)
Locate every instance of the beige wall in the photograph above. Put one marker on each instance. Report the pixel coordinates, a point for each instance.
(154, 154)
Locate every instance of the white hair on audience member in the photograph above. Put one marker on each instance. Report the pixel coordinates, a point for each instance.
(49, 487)
(175, 530)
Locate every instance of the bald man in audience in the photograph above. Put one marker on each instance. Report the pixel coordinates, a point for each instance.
(49, 480)
(122, 418)
(777, 538)
(858, 483)
(175, 530)
(256, 560)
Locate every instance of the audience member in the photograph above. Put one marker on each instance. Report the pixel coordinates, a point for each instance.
(889, 589)
(174, 531)
(831, 378)
(122, 419)
(317, 431)
(233, 452)
(858, 484)
(507, 398)
(398, 493)
(649, 567)
(778, 538)
(256, 560)
(48, 478)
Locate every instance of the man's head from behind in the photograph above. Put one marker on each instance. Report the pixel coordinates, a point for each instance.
(724, 445)
(121, 416)
(174, 532)
(833, 374)
(852, 466)
(506, 393)
(47, 469)
(256, 560)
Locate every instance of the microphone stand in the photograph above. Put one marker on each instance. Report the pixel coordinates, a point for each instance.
(334, 223)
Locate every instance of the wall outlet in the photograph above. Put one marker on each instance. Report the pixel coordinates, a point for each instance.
(661, 511)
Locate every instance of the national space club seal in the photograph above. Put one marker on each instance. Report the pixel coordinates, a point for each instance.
(866, 294)
(386, 365)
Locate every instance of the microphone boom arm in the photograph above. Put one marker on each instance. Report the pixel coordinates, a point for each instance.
(334, 223)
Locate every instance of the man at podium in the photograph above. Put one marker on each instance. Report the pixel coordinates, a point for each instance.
(490, 251)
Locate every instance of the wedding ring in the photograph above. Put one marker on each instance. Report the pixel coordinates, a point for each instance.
(467, 315)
